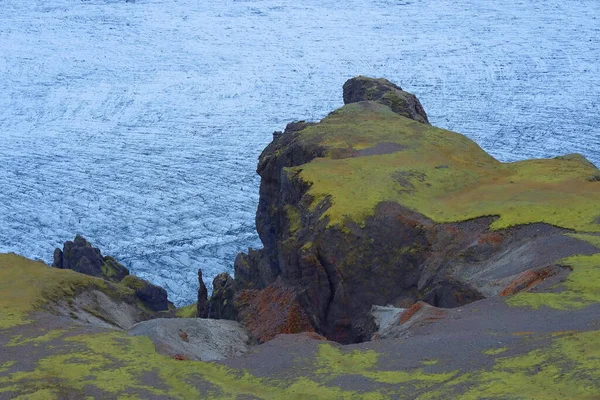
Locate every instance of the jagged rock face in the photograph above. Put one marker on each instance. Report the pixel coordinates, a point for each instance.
(338, 215)
(272, 311)
(202, 304)
(80, 256)
(385, 92)
(221, 304)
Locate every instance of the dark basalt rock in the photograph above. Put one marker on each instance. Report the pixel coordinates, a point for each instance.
(202, 304)
(153, 296)
(394, 257)
(385, 92)
(221, 304)
(80, 256)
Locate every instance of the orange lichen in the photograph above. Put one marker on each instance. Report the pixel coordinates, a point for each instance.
(493, 238)
(408, 313)
(528, 279)
(272, 311)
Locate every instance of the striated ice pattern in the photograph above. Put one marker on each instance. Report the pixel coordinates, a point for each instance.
(138, 123)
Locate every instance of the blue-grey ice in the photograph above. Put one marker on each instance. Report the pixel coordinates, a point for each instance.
(138, 123)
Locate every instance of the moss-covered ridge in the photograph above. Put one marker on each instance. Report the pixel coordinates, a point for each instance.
(375, 155)
(26, 286)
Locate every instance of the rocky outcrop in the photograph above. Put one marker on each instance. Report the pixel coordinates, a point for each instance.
(152, 296)
(195, 338)
(369, 207)
(385, 92)
(79, 255)
(221, 304)
(272, 311)
(202, 303)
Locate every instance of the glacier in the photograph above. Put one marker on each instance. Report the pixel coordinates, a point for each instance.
(138, 123)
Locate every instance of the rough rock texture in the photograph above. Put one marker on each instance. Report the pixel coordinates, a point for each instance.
(272, 311)
(419, 314)
(358, 211)
(385, 92)
(202, 304)
(195, 338)
(153, 296)
(221, 304)
(96, 308)
(385, 317)
(80, 256)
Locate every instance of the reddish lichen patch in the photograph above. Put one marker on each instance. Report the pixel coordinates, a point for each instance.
(493, 238)
(528, 279)
(184, 336)
(272, 311)
(406, 315)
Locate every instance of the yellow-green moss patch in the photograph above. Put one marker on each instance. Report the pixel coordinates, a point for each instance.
(333, 361)
(493, 352)
(26, 285)
(187, 311)
(567, 369)
(37, 340)
(581, 288)
(5, 366)
(441, 174)
(116, 363)
(293, 217)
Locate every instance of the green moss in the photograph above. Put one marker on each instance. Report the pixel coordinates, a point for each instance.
(36, 340)
(395, 101)
(27, 285)
(581, 288)
(567, 369)
(133, 282)
(108, 270)
(333, 361)
(116, 363)
(6, 366)
(441, 174)
(493, 352)
(44, 394)
(187, 311)
(293, 218)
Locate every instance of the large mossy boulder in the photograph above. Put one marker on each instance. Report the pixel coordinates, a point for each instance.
(385, 92)
(372, 206)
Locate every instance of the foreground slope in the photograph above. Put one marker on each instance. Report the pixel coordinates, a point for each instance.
(465, 355)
